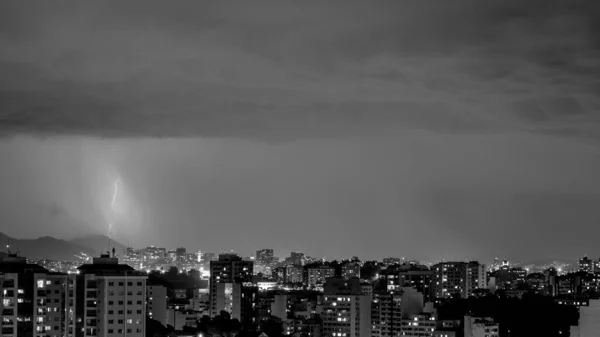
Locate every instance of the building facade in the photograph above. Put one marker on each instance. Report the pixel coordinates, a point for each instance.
(34, 301)
(111, 299)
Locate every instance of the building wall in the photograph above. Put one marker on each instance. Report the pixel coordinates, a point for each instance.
(411, 302)
(418, 326)
(349, 315)
(480, 327)
(40, 300)
(589, 319)
(228, 269)
(318, 276)
(450, 279)
(122, 305)
(157, 303)
(475, 278)
(279, 307)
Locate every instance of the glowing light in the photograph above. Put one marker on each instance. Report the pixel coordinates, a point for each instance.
(112, 203)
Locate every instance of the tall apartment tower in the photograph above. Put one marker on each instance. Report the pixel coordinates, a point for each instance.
(450, 279)
(35, 302)
(386, 315)
(228, 276)
(459, 278)
(111, 299)
(476, 277)
(346, 312)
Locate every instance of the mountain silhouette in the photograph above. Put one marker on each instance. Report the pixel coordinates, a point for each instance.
(50, 248)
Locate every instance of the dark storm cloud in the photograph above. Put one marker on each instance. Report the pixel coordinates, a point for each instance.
(297, 69)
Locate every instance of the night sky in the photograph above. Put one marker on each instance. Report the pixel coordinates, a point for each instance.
(426, 129)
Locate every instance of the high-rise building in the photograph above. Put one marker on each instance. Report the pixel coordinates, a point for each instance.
(476, 278)
(351, 270)
(34, 301)
(421, 325)
(316, 276)
(264, 256)
(459, 278)
(294, 273)
(297, 258)
(419, 277)
(480, 327)
(449, 279)
(111, 299)
(386, 315)
(346, 312)
(156, 302)
(264, 262)
(586, 265)
(228, 276)
(238, 300)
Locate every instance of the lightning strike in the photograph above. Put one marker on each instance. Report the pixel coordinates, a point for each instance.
(112, 204)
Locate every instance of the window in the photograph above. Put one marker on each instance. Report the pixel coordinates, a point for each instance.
(129, 302)
(121, 284)
(110, 312)
(120, 321)
(110, 302)
(129, 284)
(120, 312)
(139, 284)
(129, 321)
(139, 302)
(110, 330)
(110, 284)
(139, 312)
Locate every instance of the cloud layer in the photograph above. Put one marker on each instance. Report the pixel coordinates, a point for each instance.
(274, 69)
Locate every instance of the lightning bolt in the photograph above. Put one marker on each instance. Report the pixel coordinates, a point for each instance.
(112, 203)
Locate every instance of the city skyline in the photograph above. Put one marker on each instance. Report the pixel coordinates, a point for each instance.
(417, 129)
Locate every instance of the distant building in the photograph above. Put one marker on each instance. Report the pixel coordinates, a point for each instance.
(264, 261)
(460, 279)
(345, 311)
(111, 299)
(237, 299)
(297, 258)
(480, 327)
(407, 275)
(351, 270)
(156, 302)
(421, 325)
(228, 277)
(450, 279)
(386, 315)
(294, 274)
(392, 260)
(318, 275)
(475, 278)
(586, 265)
